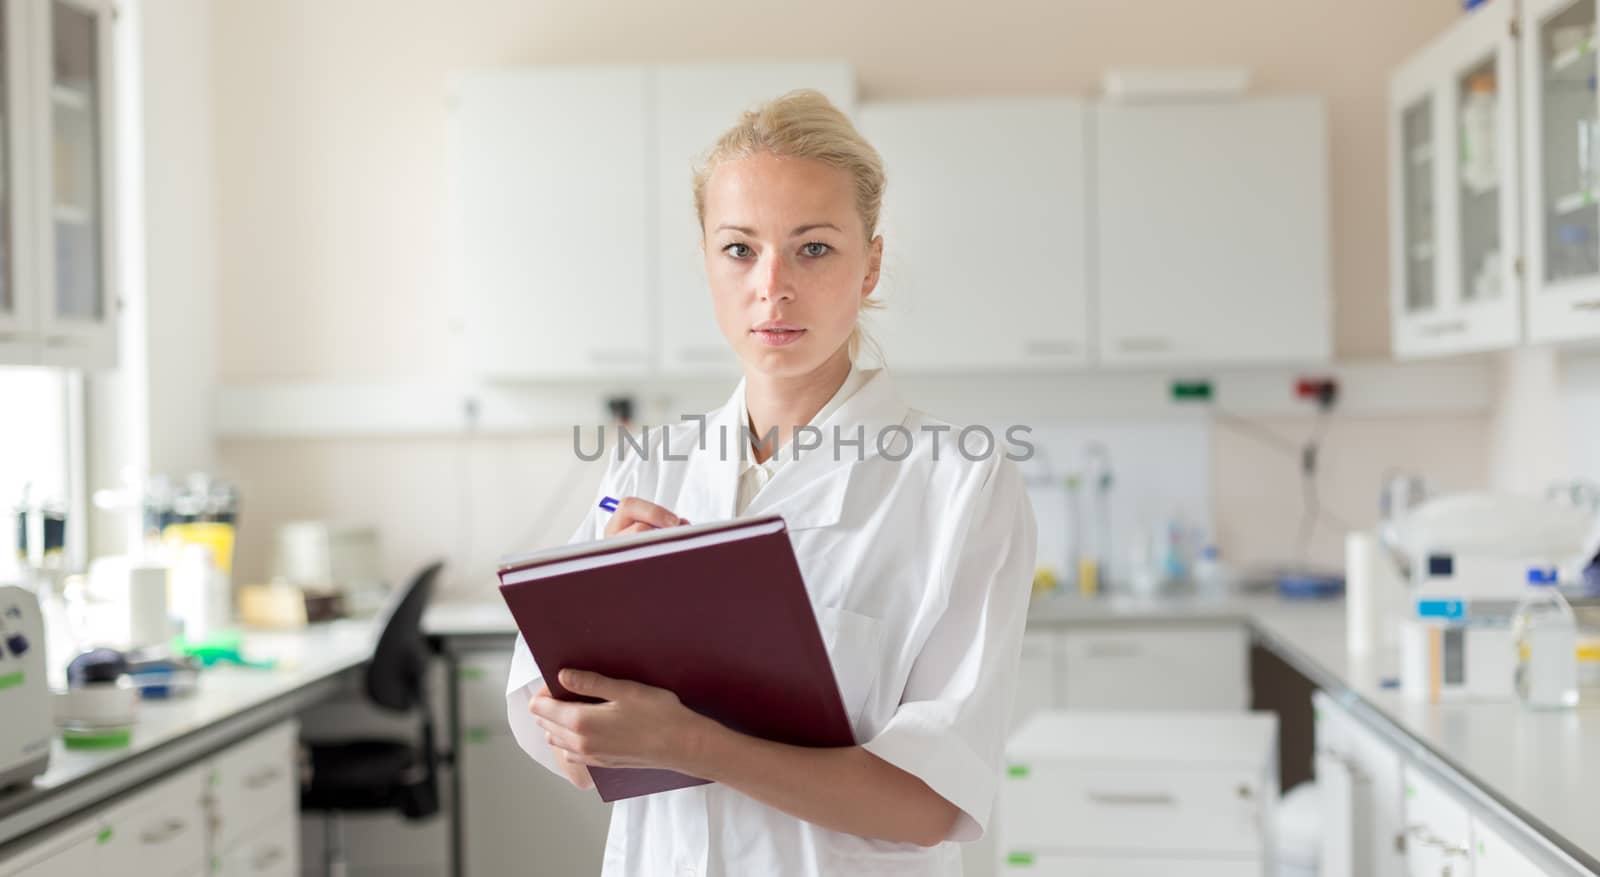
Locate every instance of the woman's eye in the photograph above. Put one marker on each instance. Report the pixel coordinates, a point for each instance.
(738, 251)
(815, 249)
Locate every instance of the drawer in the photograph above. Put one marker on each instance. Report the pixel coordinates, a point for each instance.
(254, 784)
(1138, 808)
(1438, 828)
(481, 680)
(69, 852)
(1116, 866)
(1494, 856)
(1036, 677)
(1156, 667)
(269, 852)
(161, 831)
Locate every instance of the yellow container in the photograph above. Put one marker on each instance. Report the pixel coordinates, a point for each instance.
(218, 537)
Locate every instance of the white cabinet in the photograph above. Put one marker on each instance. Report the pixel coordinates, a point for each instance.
(1212, 233)
(269, 851)
(513, 810)
(1438, 829)
(57, 199)
(985, 233)
(161, 831)
(1562, 129)
(551, 239)
(1179, 786)
(1160, 667)
(692, 106)
(1455, 189)
(69, 852)
(1026, 865)
(1495, 856)
(1036, 677)
(1359, 780)
(253, 786)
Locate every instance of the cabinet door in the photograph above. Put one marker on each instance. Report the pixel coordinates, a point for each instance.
(1495, 856)
(254, 784)
(75, 151)
(1454, 191)
(694, 105)
(69, 852)
(1036, 677)
(552, 241)
(1155, 668)
(18, 326)
(984, 230)
(272, 850)
(1360, 781)
(1051, 865)
(1213, 232)
(1438, 829)
(1561, 126)
(161, 831)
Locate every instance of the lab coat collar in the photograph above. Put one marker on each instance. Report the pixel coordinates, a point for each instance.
(808, 491)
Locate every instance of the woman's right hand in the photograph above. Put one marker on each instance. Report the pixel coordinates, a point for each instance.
(635, 515)
(575, 773)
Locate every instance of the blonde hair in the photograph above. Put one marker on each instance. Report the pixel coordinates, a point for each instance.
(804, 124)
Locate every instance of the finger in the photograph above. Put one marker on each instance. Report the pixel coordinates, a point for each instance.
(563, 740)
(560, 712)
(593, 684)
(636, 509)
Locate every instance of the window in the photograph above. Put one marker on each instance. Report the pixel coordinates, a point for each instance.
(37, 453)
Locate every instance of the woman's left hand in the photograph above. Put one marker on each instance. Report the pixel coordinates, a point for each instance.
(638, 725)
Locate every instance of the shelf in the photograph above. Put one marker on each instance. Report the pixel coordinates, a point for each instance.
(69, 97)
(70, 215)
(1563, 65)
(1573, 203)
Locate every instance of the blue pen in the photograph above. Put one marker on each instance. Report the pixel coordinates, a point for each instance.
(608, 503)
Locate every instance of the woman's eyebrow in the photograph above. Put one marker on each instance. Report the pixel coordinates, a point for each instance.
(813, 226)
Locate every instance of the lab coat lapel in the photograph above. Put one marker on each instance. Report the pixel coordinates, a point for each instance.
(711, 480)
(810, 491)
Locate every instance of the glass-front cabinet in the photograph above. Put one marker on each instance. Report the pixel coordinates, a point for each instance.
(1562, 129)
(58, 304)
(1454, 190)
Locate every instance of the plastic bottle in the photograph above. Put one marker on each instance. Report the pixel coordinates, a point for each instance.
(1480, 165)
(1211, 577)
(1546, 633)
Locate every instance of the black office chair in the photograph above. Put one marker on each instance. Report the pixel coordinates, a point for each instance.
(379, 775)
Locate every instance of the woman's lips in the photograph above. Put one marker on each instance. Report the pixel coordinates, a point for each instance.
(777, 337)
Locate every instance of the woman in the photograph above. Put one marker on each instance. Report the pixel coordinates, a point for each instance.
(917, 552)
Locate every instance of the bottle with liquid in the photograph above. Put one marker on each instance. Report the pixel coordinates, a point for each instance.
(1546, 633)
(1480, 166)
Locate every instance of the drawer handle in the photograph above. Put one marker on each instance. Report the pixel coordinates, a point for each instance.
(1588, 304)
(704, 354)
(1357, 775)
(165, 832)
(1439, 330)
(603, 357)
(1112, 650)
(267, 858)
(1049, 347)
(1133, 799)
(1424, 837)
(262, 778)
(1144, 345)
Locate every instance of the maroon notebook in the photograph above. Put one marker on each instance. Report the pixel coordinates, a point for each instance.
(716, 613)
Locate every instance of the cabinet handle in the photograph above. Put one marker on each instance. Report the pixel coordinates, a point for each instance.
(1357, 775)
(1144, 345)
(1049, 347)
(1448, 327)
(263, 777)
(267, 858)
(703, 354)
(1112, 650)
(1133, 799)
(167, 831)
(59, 341)
(1588, 304)
(604, 357)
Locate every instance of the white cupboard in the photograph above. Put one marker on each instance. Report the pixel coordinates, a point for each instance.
(985, 228)
(1211, 232)
(1561, 125)
(692, 105)
(551, 239)
(58, 304)
(1455, 191)
(1362, 791)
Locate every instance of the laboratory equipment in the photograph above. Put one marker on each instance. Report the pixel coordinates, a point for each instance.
(98, 707)
(321, 555)
(1375, 593)
(24, 696)
(1455, 650)
(1546, 636)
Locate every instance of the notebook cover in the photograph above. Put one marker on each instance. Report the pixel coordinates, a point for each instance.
(728, 627)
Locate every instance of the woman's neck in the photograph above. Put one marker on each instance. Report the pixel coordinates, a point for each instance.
(788, 403)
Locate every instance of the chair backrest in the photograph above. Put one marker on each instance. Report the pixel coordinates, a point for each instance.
(395, 673)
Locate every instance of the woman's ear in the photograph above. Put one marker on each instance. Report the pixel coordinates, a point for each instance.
(874, 266)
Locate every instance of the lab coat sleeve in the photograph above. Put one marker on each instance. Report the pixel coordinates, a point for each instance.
(524, 679)
(949, 730)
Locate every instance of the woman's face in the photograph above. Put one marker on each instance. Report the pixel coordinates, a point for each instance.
(788, 261)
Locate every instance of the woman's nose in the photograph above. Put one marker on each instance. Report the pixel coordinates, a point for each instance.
(773, 282)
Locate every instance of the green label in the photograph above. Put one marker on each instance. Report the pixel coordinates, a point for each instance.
(477, 735)
(471, 674)
(1019, 859)
(104, 837)
(1017, 770)
(10, 680)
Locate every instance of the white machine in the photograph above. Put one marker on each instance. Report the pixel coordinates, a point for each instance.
(24, 696)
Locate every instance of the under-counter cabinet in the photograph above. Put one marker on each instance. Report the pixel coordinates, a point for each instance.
(1361, 788)
(1455, 189)
(1155, 667)
(985, 227)
(1211, 233)
(57, 198)
(692, 105)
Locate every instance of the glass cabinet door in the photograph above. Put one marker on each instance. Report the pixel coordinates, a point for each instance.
(9, 206)
(1418, 206)
(1480, 169)
(76, 94)
(1569, 145)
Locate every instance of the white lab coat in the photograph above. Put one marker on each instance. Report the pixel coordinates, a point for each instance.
(919, 570)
